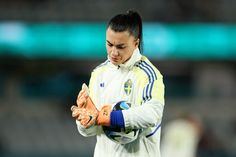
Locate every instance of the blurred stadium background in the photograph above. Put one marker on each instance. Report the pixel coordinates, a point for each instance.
(49, 47)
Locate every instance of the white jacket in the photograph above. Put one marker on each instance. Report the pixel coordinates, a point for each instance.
(139, 83)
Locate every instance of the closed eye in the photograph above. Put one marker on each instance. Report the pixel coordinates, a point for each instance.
(109, 44)
(120, 47)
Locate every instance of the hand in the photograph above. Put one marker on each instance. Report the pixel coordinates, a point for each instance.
(85, 111)
(86, 117)
(104, 116)
(83, 99)
(82, 96)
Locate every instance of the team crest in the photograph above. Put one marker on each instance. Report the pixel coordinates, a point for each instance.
(128, 87)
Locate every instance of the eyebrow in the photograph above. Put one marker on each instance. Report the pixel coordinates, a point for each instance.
(122, 44)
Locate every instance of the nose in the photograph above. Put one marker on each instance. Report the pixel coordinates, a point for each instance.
(114, 51)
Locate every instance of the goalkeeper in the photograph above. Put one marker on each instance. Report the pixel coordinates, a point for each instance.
(128, 76)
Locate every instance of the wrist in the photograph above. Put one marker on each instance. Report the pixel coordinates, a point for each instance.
(103, 117)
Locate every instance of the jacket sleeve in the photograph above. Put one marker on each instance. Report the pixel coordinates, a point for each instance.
(91, 131)
(149, 113)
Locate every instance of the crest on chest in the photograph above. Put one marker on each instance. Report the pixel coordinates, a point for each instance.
(128, 87)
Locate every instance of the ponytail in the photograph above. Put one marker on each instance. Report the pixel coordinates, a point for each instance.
(138, 31)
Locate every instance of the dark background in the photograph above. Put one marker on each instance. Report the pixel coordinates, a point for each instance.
(36, 94)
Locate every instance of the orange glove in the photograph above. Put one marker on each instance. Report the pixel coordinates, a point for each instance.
(85, 111)
(104, 116)
(87, 118)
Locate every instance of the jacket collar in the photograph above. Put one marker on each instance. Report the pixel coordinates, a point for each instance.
(136, 56)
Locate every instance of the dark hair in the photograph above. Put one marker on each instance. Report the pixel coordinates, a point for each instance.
(131, 22)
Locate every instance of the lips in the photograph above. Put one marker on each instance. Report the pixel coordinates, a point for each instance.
(114, 59)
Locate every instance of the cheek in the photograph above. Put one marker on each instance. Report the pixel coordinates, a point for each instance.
(126, 55)
(108, 49)
(129, 53)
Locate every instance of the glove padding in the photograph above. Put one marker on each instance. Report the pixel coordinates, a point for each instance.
(85, 111)
(86, 117)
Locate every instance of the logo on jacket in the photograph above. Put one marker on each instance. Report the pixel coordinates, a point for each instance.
(128, 87)
(102, 84)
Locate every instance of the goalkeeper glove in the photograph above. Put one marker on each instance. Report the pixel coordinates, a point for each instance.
(87, 113)
(104, 116)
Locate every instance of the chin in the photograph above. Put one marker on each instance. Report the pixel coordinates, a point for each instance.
(115, 63)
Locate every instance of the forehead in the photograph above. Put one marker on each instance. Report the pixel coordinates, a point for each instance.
(118, 37)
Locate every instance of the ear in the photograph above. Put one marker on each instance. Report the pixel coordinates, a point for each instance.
(137, 41)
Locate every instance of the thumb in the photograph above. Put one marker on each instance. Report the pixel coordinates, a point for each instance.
(85, 88)
(81, 102)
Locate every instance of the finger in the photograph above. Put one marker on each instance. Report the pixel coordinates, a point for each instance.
(73, 108)
(83, 122)
(82, 92)
(85, 87)
(81, 102)
(81, 115)
(76, 113)
(80, 99)
(83, 119)
(87, 123)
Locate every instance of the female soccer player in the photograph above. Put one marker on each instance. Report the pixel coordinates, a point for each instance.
(127, 76)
